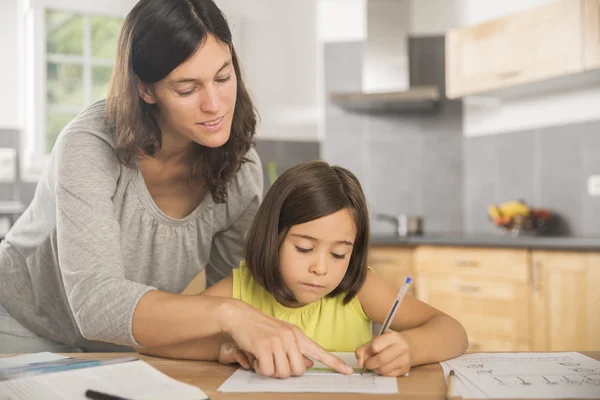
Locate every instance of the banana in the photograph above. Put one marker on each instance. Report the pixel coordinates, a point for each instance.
(515, 208)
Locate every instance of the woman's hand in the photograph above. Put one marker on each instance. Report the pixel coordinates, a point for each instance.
(388, 354)
(230, 353)
(272, 347)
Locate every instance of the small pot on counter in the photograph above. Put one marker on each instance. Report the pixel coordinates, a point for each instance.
(406, 225)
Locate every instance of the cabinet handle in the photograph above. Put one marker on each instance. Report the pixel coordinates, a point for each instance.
(508, 74)
(536, 284)
(465, 288)
(465, 262)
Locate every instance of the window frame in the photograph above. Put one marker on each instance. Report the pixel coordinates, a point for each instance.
(33, 61)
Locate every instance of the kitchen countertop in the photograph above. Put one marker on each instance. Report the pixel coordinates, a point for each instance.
(532, 242)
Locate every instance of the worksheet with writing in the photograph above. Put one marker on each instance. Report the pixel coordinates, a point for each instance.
(318, 379)
(527, 375)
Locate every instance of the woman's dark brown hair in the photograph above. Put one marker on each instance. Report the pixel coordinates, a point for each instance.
(157, 36)
(303, 193)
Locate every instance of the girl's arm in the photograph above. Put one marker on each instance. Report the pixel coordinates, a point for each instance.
(431, 335)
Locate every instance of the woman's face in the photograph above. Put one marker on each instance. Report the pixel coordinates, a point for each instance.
(196, 100)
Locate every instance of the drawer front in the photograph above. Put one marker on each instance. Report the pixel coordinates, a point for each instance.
(390, 255)
(392, 264)
(507, 264)
(485, 308)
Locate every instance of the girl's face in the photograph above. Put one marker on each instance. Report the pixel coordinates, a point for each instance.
(314, 256)
(197, 99)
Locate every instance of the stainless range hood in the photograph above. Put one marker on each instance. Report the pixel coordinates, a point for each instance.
(387, 84)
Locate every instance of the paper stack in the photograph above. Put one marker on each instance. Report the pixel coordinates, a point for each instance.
(51, 376)
(525, 376)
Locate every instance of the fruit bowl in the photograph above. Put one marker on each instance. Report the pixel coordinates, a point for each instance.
(518, 219)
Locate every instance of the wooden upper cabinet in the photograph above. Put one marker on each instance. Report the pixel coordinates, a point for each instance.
(565, 301)
(591, 38)
(538, 44)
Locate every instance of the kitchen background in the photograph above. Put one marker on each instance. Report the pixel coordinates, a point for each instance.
(453, 109)
(446, 166)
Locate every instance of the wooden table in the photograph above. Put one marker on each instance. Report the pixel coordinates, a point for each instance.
(423, 383)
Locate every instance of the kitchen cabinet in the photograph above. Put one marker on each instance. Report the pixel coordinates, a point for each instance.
(487, 290)
(541, 43)
(565, 301)
(591, 12)
(393, 264)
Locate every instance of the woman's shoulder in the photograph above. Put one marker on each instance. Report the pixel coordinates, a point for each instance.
(249, 178)
(90, 126)
(246, 187)
(88, 139)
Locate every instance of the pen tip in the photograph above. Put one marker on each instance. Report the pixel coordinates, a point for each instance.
(408, 279)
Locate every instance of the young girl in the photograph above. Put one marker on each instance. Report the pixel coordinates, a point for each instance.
(306, 263)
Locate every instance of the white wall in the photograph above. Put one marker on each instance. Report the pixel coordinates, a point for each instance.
(564, 107)
(281, 62)
(9, 71)
(435, 17)
(108, 7)
(341, 20)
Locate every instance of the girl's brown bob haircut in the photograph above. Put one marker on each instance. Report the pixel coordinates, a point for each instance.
(305, 192)
(156, 37)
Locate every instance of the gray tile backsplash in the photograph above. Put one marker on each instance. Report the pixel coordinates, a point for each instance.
(284, 154)
(547, 167)
(407, 163)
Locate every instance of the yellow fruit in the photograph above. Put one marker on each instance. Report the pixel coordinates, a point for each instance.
(494, 212)
(514, 208)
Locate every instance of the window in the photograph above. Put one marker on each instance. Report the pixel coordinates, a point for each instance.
(80, 51)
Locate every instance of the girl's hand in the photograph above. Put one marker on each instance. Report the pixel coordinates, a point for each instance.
(230, 353)
(388, 354)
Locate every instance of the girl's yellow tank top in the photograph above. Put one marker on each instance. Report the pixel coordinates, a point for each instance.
(330, 323)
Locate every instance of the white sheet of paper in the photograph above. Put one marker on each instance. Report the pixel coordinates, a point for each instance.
(462, 386)
(528, 375)
(319, 378)
(134, 379)
(243, 381)
(20, 361)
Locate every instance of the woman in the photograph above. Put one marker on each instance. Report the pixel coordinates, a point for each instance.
(141, 193)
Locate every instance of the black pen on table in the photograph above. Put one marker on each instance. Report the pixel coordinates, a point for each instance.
(450, 389)
(393, 309)
(95, 395)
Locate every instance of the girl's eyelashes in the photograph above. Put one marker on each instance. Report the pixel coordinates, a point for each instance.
(305, 250)
(302, 249)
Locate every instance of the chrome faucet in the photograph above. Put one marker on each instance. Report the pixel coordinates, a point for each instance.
(404, 225)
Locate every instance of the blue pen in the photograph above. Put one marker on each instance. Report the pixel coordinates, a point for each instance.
(390, 316)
